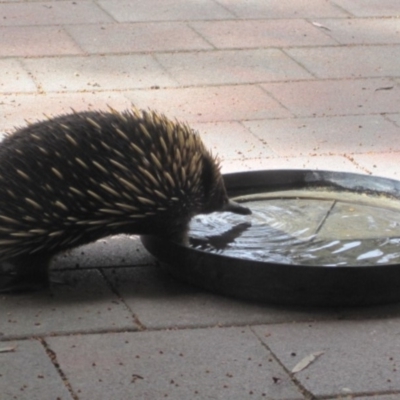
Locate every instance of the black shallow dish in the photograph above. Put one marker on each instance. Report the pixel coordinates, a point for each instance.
(284, 283)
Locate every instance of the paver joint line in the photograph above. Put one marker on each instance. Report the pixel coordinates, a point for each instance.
(309, 84)
(53, 358)
(307, 394)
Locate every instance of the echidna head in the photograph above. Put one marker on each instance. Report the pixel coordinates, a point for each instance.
(215, 196)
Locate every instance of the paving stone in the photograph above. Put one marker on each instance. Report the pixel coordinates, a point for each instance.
(362, 30)
(283, 9)
(382, 164)
(13, 78)
(332, 163)
(84, 304)
(230, 140)
(36, 41)
(51, 13)
(207, 104)
(394, 117)
(359, 356)
(262, 33)
(327, 135)
(332, 81)
(165, 10)
(113, 251)
(231, 66)
(28, 373)
(204, 363)
(370, 8)
(160, 301)
(137, 37)
(16, 109)
(380, 397)
(350, 62)
(337, 97)
(97, 73)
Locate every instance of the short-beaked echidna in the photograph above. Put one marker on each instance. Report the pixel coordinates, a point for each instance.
(73, 179)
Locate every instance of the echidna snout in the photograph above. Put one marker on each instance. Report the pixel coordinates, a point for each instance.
(76, 178)
(233, 207)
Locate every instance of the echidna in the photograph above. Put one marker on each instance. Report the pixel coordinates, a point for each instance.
(79, 177)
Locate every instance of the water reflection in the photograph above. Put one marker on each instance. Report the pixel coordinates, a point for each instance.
(306, 228)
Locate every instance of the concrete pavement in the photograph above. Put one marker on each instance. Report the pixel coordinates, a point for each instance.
(269, 84)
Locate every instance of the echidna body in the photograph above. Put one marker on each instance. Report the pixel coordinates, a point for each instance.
(79, 177)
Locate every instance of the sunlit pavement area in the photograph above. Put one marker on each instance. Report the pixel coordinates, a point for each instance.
(269, 84)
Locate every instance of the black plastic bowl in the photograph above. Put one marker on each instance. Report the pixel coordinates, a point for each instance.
(284, 283)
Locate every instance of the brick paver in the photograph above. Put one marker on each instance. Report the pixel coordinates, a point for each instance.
(327, 135)
(325, 162)
(337, 369)
(51, 13)
(79, 74)
(212, 103)
(139, 37)
(16, 108)
(231, 67)
(362, 30)
(269, 84)
(36, 41)
(284, 9)
(167, 10)
(14, 78)
(370, 8)
(28, 373)
(350, 62)
(187, 364)
(337, 97)
(262, 33)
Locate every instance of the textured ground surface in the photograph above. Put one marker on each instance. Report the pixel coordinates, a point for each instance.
(270, 84)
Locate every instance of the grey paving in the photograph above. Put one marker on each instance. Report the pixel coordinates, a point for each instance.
(334, 135)
(380, 397)
(262, 33)
(28, 373)
(362, 30)
(35, 41)
(167, 10)
(244, 66)
(323, 162)
(354, 61)
(188, 364)
(358, 356)
(337, 97)
(212, 103)
(370, 8)
(383, 164)
(138, 37)
(243, 143)
(19, 108)
(114, 251)
(97, 73)
(51, 13)
(83, 303)
(13, 77)
(395, 118)
(269, 84)
(288, 9)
